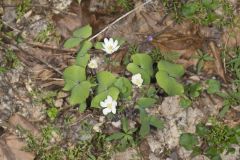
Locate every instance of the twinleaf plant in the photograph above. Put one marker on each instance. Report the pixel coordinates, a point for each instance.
(105, 90)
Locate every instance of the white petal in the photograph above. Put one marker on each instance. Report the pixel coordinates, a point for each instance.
(116, 48)
(111, 41)
(115, 43)
(106, 111)
(106, 41)
(114, 110)
(109, 99)
(103, 104)
(114, 103)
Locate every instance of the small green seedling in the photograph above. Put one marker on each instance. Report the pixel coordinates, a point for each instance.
(125, 138)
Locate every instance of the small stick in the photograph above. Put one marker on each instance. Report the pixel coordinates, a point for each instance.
(120, 18)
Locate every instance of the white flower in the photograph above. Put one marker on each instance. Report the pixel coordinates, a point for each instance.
(137, 80)
(93, 63)
(109, 105)
(110, 46)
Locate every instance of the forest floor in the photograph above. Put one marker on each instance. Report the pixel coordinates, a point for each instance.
(188, 107)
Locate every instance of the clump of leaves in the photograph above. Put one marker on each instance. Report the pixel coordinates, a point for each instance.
(230, 99)
(158, 55)
(23, 7)
(146, 120)
(10, 61)
(192, 91)
(124, 138)
(233, 65)
(44, 35)
(202, 58)
(126, 4)
(202, 11)
(215, 139)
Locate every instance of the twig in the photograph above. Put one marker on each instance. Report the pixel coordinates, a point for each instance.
(117, 20)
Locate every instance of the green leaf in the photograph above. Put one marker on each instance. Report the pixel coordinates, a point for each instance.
(116, 136)
(193, 90)
(83, 32)
(213, 86)
(151, 92)
(174, 70)
(185, 102)
(146, 102)
(210, 4)
(125, 124)
(145, 128)
(72, 42)
(113, 92)
(73, 75)
(169, 84)
(135, 69)
(196, 151)
(224, 110)
(52, 113)
(189, 9)
(154, 121)
(85, 47)
(201, 130)
(188, 141)
(144, 61)
(105, 80)
(82, 60)
(80, 93)
(124, 86)
(98, 45)
(82, 107)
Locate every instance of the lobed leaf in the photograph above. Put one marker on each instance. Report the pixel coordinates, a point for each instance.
(80, 93)
(169, 84)
(73, 75)
(83, 32)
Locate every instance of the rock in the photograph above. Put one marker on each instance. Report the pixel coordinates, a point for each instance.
(18, 120)
(11, 148)
(153, 157)
(129, 154)
(60, 5)
(117, 124)
(170, 106)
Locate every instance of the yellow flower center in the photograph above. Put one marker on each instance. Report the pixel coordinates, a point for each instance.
(109, 105)
(110, 48)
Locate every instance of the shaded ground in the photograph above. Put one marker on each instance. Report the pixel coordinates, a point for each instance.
(33, 59)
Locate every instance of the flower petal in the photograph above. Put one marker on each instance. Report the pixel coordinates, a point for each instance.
(103, 104)
(114, 110)
(106, 111)
(114, 103)
(111, 41)
(115, 43)
(109, 99)
(106, 41)
(116, 48)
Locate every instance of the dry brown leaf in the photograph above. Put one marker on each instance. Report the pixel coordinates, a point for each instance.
(18, 120)
(11, 148)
